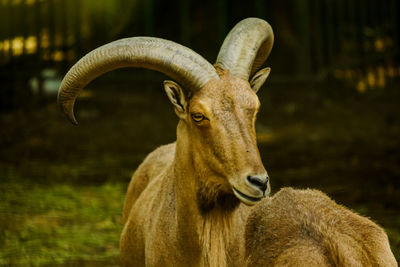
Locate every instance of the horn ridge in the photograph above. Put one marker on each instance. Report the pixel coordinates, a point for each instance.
(246, 47)
(176, 61)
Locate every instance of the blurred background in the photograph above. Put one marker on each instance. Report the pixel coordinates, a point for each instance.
(330, 116)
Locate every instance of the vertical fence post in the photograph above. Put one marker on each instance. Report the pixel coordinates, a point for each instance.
(394, 21)
(10, 90)
(352, 39)
(2, 20)
(301, 9)
(23, 6)
(360, 13)
(260, 8)
(149, 17)
(52, 29)
(10, 29)
(329, 34)
(339, 23)
(77, 47)
(64, 34)
(39, 55)
(222, 19)
(317, 34)
(184, 10)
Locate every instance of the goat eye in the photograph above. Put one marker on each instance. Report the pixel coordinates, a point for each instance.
(197, 117)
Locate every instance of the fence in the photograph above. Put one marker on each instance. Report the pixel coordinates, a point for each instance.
(40, 38)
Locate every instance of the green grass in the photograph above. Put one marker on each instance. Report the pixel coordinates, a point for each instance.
(59, 223)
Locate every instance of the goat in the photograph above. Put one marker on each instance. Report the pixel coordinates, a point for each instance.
(184, 205)
(307, 228)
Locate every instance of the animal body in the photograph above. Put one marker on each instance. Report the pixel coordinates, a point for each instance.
(184, 205)
(307, 228)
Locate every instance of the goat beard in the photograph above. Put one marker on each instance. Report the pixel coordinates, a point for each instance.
(210, 195)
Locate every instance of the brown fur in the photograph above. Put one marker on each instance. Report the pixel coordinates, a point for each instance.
(307, 228)
(180, 209)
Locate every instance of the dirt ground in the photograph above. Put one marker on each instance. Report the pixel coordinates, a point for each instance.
(63, 186)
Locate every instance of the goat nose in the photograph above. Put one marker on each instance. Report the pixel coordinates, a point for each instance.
(259, 182)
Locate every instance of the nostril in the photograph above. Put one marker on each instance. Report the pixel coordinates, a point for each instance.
(261, 183)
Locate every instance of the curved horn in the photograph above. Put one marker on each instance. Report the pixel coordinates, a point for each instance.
(174, 60)
(246, 47)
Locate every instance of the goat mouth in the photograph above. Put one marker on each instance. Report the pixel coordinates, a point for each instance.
(248, 200)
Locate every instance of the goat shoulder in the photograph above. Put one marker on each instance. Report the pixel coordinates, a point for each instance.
(152, 166)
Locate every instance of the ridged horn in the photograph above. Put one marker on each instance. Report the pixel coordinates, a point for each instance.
(176, 61)
(246, 47)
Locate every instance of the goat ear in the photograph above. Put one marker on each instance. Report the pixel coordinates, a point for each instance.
(176, 96)
(259, 79)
